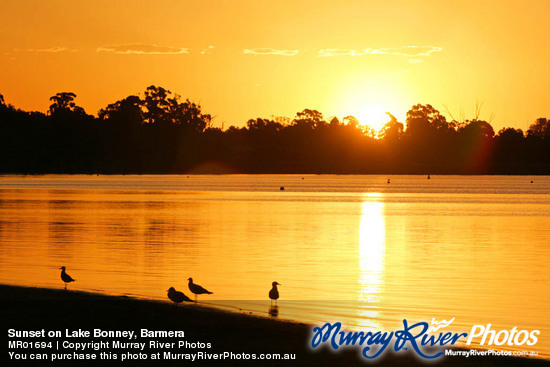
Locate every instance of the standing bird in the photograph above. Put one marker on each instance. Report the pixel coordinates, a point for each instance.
(65, 277)
(274, 292)
(197, 289)
(177, 297)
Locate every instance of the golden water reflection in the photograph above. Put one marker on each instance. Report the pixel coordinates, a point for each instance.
(366, 260)
(372, 236)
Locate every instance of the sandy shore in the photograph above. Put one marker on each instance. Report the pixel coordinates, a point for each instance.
(49, 309)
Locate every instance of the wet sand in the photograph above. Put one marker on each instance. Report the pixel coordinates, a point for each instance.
(50, 309)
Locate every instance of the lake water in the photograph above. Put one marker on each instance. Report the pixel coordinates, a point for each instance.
(354, 249)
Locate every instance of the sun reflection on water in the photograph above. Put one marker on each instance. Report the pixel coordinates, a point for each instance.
(372, 237)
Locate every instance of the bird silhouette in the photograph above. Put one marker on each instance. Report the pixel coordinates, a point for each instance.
(66, 277)
(197, 289)
(177, 297)
(274, 292)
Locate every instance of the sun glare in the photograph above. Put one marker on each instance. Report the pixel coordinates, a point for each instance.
(373, 116)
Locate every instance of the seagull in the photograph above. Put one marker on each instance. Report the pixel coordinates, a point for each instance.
(274, 292)
(197, 289)
(65, 277)
(177, 297)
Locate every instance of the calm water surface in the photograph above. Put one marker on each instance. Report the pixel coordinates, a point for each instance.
(353, 249)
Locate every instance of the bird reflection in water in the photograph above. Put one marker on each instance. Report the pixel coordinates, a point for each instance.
(273, 310)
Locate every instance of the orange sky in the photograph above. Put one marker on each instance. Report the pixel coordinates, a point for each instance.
(247, 58)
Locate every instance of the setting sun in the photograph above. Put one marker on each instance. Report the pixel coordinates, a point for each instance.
(370, 172)
(239, 67)
(373, 116)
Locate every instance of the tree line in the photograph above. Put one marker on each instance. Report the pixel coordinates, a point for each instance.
(160, 132)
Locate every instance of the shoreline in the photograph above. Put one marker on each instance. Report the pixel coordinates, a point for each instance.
(29, 308)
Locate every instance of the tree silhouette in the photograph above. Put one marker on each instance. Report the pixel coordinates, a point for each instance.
(510, 153)
(63, 103)
(477, 129)
(510, 134)
(392, 130)
(311, 119)
(156, 105)
(160, 132)
(540, 129)
(263, 125)
(160, 109)
(428, 141)
(188, 115)
(127, 111)
(348, 120)
(476, 146)
(424, 120)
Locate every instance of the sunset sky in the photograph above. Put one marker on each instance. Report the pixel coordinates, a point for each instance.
(243, 59)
